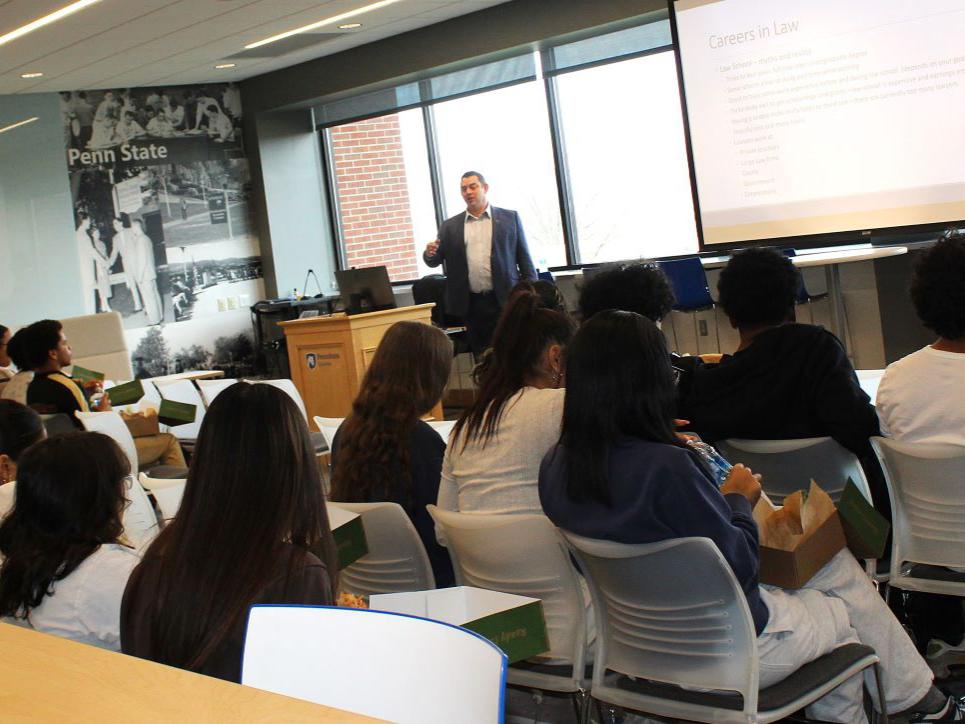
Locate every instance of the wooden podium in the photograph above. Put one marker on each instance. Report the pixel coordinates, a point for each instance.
(328, 356)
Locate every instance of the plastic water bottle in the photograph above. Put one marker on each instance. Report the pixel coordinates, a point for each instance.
(717, 466)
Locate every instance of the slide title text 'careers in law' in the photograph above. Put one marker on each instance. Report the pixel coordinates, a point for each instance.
(749, 36)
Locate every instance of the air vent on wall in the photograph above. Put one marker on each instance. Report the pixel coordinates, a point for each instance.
(286, 45)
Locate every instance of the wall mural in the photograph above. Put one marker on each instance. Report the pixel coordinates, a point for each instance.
(160, 187)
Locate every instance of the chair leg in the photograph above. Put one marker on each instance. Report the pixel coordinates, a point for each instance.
(581, 706)
(673, 328)
(696, 333)
(882, 715)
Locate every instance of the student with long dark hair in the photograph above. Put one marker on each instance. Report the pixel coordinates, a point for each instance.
(250, 524)
(64, 563)
(620, 473)
(20, 427)
(384, 451)
(495, 448)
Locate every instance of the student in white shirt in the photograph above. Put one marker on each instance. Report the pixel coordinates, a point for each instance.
(64, 563)
(492, 460)
(921, 397)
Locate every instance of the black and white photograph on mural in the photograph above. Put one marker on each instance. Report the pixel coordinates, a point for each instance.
(162, 219)
(97, 120)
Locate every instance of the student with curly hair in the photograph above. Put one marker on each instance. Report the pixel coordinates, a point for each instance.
(384, 451)
(921, 397)
(637, 287)
(785, 380)
(65, 563)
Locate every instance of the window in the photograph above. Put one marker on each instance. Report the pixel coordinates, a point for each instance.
(627, 160)
(504, 134)
(383, 192)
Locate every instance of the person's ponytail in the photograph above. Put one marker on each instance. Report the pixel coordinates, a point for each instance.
(524, 331)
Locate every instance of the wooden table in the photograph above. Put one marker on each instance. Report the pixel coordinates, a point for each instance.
(45, 678)
(189, 375)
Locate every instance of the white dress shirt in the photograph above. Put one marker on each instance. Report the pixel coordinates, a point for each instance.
(478, 233)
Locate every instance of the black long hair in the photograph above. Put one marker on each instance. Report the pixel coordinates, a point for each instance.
(70, 497)
(404, 381)
(524, 331)
(619, 382)
(253, 486)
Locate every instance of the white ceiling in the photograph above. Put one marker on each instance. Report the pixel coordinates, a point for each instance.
(127, 43)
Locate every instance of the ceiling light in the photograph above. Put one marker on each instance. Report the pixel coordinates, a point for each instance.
(18, 123)
(350, 26)
(327, 21)
(46, 20)
(224, 66)
(30, 75)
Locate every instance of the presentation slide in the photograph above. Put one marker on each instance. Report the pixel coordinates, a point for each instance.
(823, 116)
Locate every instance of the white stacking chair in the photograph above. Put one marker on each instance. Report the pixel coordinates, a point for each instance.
(288, 387)
(525, 555)
(111, 424)
(166, 491)
(396, 561)
(787, 466)
(392, 667)
(443, 427)
(210, 389)
(328, 426)
(184, 391)
(675, 637)
(140, 521)
(925, 483)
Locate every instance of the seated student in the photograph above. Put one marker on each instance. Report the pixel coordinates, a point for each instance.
(65, 564)
(46, 351)
(785, 380)
(14, 387)
(636, 287)
(620, 473)
(250, 524)
(495, 448)
(20, 427)
(384, 451)
(921, 397)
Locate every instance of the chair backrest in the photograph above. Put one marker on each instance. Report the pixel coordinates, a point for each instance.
(787, 466)
(396, 561)
(389, 666)
(111, 424)
(166, 491)
(16, 388)
(210, 389)
(925, 483)
(288, 387)
(670, 612)
(524, 555)
(689, 283)
(184, 391)
(328, 426)
(443, 427)
(140, 521)
(99, 344)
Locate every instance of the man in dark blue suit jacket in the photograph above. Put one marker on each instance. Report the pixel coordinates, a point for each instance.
(485, 255)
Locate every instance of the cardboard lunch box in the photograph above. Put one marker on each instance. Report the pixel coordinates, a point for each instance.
(349, 535)
(127, 393)
(789, 558)
(514, 623)
(173, 413)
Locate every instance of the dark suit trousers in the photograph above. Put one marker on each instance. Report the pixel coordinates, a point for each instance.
(481, 318)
